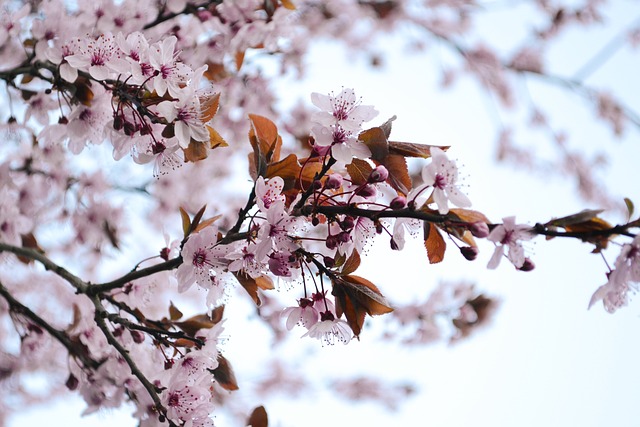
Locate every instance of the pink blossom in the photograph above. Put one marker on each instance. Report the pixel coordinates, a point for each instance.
(509, 234)
(269, 192)
(304, 314)
(330, 329)
(198, 259)
(442, 174)
(343, 110)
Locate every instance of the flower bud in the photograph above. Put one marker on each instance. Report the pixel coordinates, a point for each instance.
(379, 174)
(479, 229)
(469, 252)
(317, 185)
(137, 336)
(528, 265)
(72, 382)
(118, 122)
(333, 181)
(366, 190)
(344, 237)
(331, 242)
(315, 221)
(399, 202)
(347, 223)
(329, 262)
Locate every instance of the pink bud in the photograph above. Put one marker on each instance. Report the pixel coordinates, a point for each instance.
(479, 229)
(379, 174)
(366, 190)
(333, 181)
(137, 336)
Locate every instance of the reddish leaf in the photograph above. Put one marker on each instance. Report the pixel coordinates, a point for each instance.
(215, 140)
(217, 314)
(224, 374)
(376, 140)
(207, 222)
(288, 4)
(174, 313)
(216, 72)
(355, 297)
(351, 264)
(580, 218)
(239, 59)
(399, 177)
(468, 215)
(410, 149)
(265, 283)
(250, 285)
(367, 294)
(209, 107)
(290, 170)
(434, 243)
(258, 418)
(196, 151)
(359, 171)
(266, 134)
(29, 241)
(192, 325)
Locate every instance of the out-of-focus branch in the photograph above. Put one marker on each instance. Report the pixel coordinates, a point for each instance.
(17, 307)
(35, 255)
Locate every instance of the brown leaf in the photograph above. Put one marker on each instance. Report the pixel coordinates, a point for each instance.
(265, 283)
(266, 133)
(258, 418)
(196, 151)
(209, 107)
(468, 215)
(217, 314)
(399, 177)
(239, 59)
(351, 264)
(224, 375)
(249, 284)
(290, 170)
(367, 294)
(192, 325)
(359, 171)
(215, 140)
(582, 217)
(376, 140)
(216, 72)
(410, 149)
(29, 241)
(207, 222)
(186, 221)
(174, 313)
(288, 4)
(354, 312)
(434, 243)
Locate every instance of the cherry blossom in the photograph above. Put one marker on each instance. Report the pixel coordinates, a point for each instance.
(329, 329)
(510, 235)
(199, 259)
(343, 110)
(442, 174)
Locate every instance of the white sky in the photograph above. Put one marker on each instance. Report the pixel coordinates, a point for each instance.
(546, 360)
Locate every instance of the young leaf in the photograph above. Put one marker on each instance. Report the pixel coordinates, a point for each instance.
(434, 243)
(376, 140)
(196, 151)
(399, 177)
(250, 285)
(192, 325)
(630, 208)
(351, 264)
(359, 171)
(258, 418)
(266, 134)
(186, 221)
(215, 140)
(410, 149)
(356, 297)
(580, 218)
(224, 375)
(174, 313)
(209, 107)
(468, 215)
